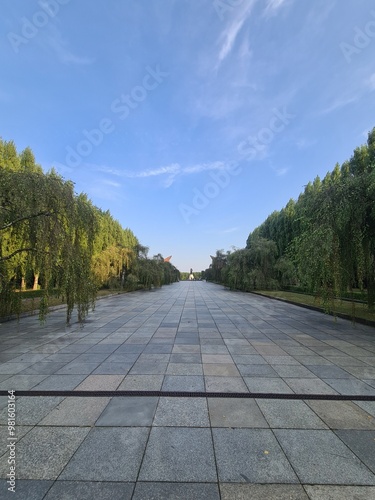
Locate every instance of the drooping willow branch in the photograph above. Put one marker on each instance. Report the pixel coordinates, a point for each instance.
(26, 217)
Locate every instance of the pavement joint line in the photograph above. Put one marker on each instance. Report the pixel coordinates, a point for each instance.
(187, 394)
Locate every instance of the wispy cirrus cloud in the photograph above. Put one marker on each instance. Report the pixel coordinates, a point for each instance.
(54, 40)
(229, 35)
(168, 173)
(337, 104)
(221, 232)
(229, 230)
(273, 6)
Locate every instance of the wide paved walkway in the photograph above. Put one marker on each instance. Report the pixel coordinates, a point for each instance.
(190, 336)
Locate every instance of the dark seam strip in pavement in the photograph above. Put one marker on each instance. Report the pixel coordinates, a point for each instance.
(186, 394)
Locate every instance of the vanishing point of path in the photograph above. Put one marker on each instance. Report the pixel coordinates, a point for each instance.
(195, 337)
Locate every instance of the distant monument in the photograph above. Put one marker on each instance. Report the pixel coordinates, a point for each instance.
(167, 259)
(191, 276)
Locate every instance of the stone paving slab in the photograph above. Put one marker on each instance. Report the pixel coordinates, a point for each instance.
(76, 412)
(179, 454)
(182, 412)
(183, 491)
(235, 413)
(362, 443)
(320, 492)
(84, 490)
(318, 456)
(128, 412)
(195, 337)
(289, 414)
(262, 491)
(25, 489)
(44, 452)
(343, 414)
(251, 456)
(111, 454)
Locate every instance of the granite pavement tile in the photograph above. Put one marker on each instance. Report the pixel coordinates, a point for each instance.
(221, 369)
(100, 383)
(76, 412)
(21, 382)
(141, 383)
(25, 489)
(350, 386)
(235, 412)
(128, 411)
(190, 383)
(44, 451)
(362, 443)
(31, 410)
(251, 456)
(324, 492)
(289, 414)
(90, 490)
(108, 454)
(309, 386)
(320, 457)
(176, 491)
(343, 415)
(179, 454)
(230, 491)
(184, 369)
(59, 383)
(225, 384)
(267, 385)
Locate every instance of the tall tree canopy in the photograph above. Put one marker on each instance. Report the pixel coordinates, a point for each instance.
(62, 241)
(324, 242)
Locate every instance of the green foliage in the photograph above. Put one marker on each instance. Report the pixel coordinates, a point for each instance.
(323, 243)
(49, 233)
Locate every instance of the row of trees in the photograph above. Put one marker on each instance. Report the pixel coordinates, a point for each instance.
(323, 243)
(53, 238)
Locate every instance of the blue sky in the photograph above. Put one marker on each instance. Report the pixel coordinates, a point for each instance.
(191, 121)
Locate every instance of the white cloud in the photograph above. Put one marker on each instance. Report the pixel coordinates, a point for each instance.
(229, 35)
(221, 232)
(170, 169)
(337, 104)
(273, 6)
(55, 41)
(281, 171)
(169, 172)
(229, 230)
(111, 183)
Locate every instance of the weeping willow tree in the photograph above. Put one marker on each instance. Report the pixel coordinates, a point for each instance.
(324, 242)
(68, 246)
(115, 253)
(46, 228)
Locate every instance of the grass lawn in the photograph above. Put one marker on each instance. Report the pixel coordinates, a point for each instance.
(350, 309)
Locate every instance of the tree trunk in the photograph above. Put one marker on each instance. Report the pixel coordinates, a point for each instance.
(36, 278)
(23, 283)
